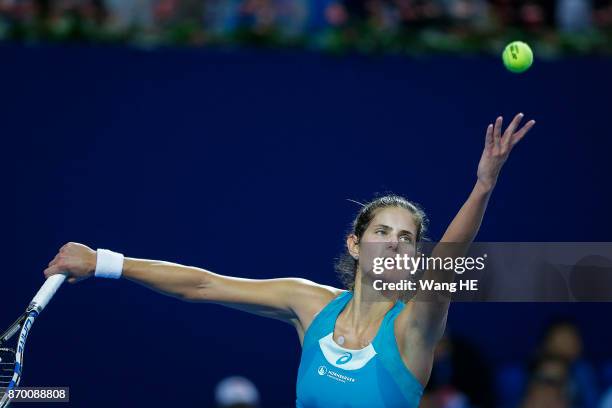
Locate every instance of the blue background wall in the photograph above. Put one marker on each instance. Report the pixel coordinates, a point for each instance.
(241, 162)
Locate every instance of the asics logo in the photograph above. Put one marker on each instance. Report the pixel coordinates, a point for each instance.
(344, 358)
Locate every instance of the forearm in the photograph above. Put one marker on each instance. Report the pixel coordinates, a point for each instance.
(466, 223)
(429, 306)
(461, 232)
(183, 282)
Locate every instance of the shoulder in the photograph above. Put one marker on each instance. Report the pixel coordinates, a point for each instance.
(312, 294)
(309, 298)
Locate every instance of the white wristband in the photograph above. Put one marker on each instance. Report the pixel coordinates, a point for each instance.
(109, 264)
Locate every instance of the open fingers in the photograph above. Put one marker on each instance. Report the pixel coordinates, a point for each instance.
(489, 142)
(497, 131)
(522, 132)
(507, 137)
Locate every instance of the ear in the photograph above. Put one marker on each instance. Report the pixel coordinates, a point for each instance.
(352, 244)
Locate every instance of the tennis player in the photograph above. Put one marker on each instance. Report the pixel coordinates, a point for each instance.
(360, 347)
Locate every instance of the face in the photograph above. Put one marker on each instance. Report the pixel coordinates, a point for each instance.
(564, 341)
(391, 232)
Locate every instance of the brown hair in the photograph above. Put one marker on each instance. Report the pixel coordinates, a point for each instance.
(346, 265)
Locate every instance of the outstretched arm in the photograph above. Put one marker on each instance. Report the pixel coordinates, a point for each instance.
(431, 315)
(286, 299)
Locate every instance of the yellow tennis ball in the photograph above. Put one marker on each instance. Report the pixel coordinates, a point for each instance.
(517, 57)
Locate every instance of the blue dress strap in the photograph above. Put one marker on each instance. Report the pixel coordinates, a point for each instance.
(325, 320)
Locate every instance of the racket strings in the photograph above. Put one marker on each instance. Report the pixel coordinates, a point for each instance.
(13, 329)
(7, 366)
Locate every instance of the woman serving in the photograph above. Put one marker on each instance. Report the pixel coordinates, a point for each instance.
(361, 347)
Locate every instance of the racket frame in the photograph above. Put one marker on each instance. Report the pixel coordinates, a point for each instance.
(25, 322)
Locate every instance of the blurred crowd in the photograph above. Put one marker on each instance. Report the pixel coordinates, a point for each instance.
(556, 375)
(394, 26)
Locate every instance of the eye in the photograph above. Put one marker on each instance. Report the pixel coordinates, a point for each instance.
(380, 231)
(406, 238)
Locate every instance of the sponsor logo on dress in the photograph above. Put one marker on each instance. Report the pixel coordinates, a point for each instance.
(324, 371)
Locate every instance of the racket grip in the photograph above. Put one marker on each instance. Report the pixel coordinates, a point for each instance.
(46, 292)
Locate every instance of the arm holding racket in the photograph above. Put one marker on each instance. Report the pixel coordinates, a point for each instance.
(292, 300)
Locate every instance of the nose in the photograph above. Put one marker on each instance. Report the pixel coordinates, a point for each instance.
(392, 243)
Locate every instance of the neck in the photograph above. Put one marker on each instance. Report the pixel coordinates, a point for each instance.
(368, 306)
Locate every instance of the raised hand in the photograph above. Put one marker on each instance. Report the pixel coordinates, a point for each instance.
(498, 147)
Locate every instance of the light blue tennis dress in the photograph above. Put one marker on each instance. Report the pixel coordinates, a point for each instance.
(331, 376)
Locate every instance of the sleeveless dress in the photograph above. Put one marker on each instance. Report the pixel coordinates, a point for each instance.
(331, 376)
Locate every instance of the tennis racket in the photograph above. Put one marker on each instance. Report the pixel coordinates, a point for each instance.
(11, 358)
